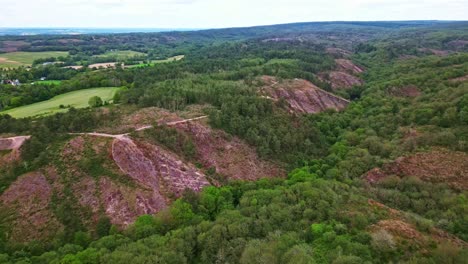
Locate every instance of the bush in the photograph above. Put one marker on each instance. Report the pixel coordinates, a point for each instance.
(95, 101)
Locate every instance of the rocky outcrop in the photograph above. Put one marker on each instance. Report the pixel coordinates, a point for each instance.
(338, 52)
(229, 155)
(348, 66)
(340, 80)
(343, 76)
(301, 96)
(13, 142)
(156, 168)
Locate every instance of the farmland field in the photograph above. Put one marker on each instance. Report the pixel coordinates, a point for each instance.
(77, 99)
(122, 54)
(22, 58)
(153, 62)
(49, 82)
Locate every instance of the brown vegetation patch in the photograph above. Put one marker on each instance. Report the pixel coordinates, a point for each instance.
(301, 96)
(230, 156)
(438, 165)
(460, 79)
(401, 229)
(29, 197)
(157, 169)
(12, 45)
(348, 66)
(148, 116)
(340, 80)
(434, 51)
(338, 52)
(124, 204)
(405, 91)
(67, 41)
(74, 147)
(458, 44)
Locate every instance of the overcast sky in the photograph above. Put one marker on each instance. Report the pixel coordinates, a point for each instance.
(217, 13)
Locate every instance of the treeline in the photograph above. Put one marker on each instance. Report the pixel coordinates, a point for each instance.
(301, 220)
(14, 96)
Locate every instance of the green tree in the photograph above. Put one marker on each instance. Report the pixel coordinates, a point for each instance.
(95, 101)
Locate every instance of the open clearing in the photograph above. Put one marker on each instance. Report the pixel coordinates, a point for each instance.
(153, 62)
(49, 82)
(22, 58)
(77, 99)
(122, 54)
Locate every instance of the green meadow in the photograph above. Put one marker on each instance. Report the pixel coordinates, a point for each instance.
(122, 54)
(24, 58)
(153, 62)
(77, 99)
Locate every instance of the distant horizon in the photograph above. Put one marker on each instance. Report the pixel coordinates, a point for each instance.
(212, 14)
(248, 26)
(225, 27)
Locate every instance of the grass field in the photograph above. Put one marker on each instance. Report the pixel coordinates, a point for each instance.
(153, 62)
(23, 58)
(49, 82)
(77, 99)
(122, 54)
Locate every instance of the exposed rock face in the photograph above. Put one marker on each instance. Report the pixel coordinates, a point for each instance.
(340, 80)
(230, 157)
(439, 165)
(29, 197)
(12, 143)
(156, 168)
(302, 96)
(123, 204)
(338, 52)
(343, 77)
(348, 66)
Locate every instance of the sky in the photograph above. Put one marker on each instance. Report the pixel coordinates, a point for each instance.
(217, 13)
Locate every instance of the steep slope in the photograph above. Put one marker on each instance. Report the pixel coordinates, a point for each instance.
(343, 76)
(9, 150)
(230, 156)
(438, 165)
(156, 169)
(301, 96)
(28, 200)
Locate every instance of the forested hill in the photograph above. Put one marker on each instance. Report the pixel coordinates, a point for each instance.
(193, 39)
(334, 142)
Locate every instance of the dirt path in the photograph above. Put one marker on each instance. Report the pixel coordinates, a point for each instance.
(185, 121)
(13, 143)
(125, 136)
(95, 134)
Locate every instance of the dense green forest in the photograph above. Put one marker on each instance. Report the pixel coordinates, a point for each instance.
(324, 211)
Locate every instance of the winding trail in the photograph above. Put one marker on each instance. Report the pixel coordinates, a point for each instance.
(125, 136)
(13, 143)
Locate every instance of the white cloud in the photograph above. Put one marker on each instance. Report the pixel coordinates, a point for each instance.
(216, 13)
